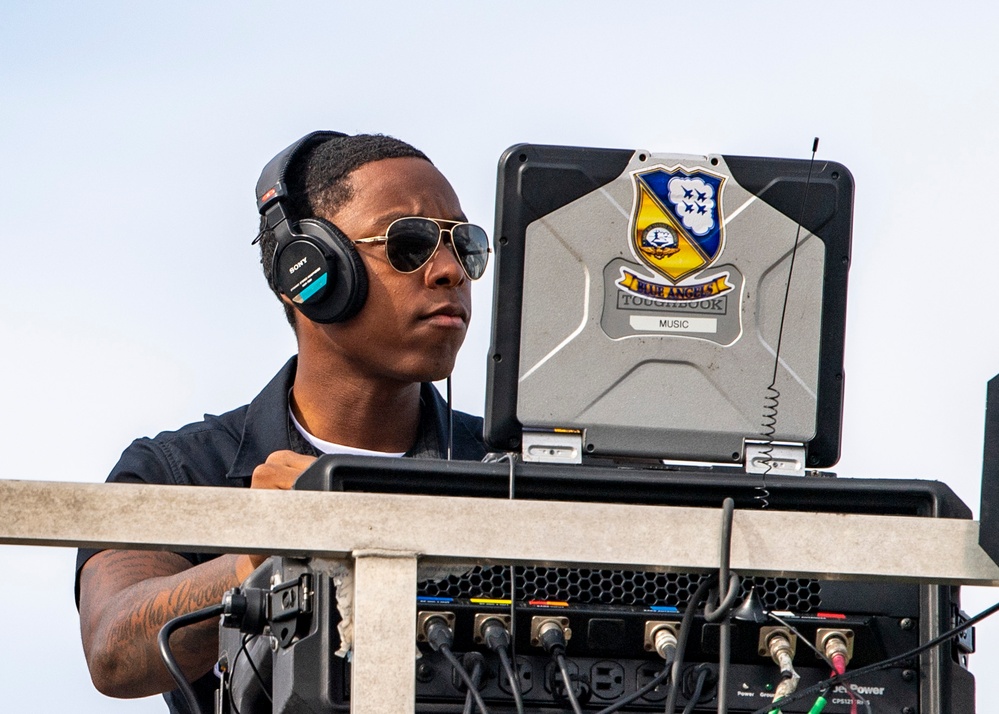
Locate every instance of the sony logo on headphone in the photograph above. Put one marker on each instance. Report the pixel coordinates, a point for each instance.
(297, 265)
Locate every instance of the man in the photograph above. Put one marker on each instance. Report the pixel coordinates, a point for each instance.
(359, 385)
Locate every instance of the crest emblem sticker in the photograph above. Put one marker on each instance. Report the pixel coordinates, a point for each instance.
(677, 231)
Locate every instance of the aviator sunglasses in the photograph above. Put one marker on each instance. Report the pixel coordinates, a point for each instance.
(411, 242)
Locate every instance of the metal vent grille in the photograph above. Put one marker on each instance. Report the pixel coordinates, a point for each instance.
(614, 587)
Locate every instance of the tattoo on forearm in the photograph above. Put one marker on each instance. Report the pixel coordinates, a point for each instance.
(158, 593)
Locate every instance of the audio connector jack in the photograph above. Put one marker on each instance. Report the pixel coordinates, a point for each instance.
(782, 653)
(436, 630)
(552, 636)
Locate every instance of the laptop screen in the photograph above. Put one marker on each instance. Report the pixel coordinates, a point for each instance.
(669, 306)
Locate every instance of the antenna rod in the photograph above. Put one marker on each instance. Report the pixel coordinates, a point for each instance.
(794, 252)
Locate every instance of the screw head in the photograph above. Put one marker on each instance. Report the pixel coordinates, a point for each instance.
(908, 675)
(907, 623)
(424, 672)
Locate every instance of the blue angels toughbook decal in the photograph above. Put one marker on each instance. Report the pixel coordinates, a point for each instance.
(677, 230)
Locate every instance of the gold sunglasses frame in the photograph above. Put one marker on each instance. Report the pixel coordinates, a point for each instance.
(441, 230)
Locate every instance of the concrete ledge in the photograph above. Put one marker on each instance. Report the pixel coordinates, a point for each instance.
(773, 543)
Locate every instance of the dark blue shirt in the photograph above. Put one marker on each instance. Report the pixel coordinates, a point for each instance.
(224, 450)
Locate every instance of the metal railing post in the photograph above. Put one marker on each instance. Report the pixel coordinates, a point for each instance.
(384, 654)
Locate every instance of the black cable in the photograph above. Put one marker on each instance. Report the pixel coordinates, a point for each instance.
(727, 601)
(724, 659)
(513, 608)
(512, 458)
(867, 705)
(884, 664)
(253, 666)
(440, 636)
(725, 607)
(232, 702)
(790, 269)
(552, 638)
(497, 638)
(163, 639)
(638, 693)
(801, 638)
(450, 421)
(232, 672)
(228, 691)
(702, 677)
(567, 680)
(476, 678)
(681, 639)
(645, 689)
(232, 669)
(513, 679)
(769, 425)
(465, 677)
(731, 580)
(725, 544)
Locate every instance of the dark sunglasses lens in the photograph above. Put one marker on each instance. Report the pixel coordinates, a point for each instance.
(472, 246)
(410, 243)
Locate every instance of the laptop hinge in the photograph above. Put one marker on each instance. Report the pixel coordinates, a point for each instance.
(552, 447)
(776, 458)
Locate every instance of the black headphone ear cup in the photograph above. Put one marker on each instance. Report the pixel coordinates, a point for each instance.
(348, 281)
(321, 271)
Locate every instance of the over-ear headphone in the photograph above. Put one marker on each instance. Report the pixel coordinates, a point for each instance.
(314, 263)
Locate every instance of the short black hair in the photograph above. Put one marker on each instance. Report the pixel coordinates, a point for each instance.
(318, 186)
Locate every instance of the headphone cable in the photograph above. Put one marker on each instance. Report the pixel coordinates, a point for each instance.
(450, 421)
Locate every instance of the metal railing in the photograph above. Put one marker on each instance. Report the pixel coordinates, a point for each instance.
(386, 535)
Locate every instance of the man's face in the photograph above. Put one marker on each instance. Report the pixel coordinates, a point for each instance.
(412, 325)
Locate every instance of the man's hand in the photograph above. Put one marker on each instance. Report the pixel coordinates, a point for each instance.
(281, 470)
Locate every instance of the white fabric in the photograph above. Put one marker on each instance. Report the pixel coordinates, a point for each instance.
(328, 447)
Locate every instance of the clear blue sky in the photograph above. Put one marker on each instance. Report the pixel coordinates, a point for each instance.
(131, 136)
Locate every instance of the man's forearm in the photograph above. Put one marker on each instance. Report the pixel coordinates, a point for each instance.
(127, 597)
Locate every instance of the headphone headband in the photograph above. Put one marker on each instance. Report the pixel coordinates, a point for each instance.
(314, 265)
(271, 186)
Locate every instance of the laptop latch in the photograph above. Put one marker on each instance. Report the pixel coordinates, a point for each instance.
(776, 458)
(552, 447)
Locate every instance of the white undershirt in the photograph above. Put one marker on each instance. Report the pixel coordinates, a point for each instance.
(328, 447)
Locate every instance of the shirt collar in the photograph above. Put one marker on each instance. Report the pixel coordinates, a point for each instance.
(267, 427)
(431, 438)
